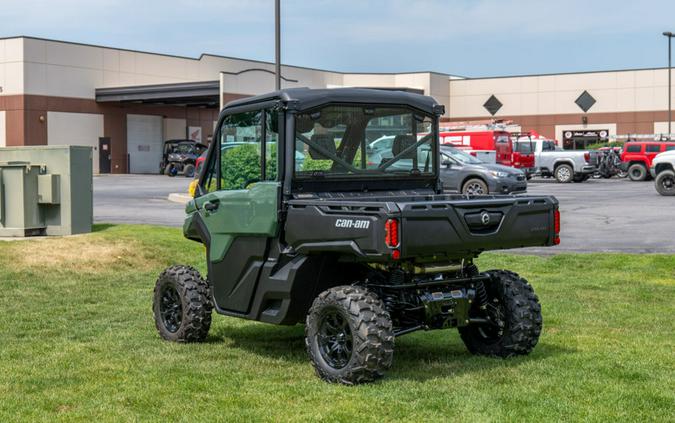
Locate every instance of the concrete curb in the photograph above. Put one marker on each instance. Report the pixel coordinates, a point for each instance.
(179, 198)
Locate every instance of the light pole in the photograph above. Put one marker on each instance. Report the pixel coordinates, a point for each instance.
(670, 110)
(277, 44)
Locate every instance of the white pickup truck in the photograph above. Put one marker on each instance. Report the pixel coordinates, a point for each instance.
(564, 165)
(663, 172)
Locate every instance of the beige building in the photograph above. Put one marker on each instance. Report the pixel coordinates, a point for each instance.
(126, 103)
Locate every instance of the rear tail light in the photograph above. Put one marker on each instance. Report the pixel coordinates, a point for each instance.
(587, 156)
(391, 233)
(556, 227)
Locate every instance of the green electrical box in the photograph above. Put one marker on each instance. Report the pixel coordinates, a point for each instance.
(45, 190)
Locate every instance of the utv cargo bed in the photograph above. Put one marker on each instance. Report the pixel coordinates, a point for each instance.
(431, 227)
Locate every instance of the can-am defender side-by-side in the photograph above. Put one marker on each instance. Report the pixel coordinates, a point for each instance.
(302, 224)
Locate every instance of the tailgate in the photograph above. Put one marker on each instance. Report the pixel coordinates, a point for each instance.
(455, 228)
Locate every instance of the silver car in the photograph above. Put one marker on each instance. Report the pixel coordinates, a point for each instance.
(464, 173)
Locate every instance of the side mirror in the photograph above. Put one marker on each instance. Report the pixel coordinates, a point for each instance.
(447, 163)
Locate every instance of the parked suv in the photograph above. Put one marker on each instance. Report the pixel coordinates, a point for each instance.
(663, 172)
(463, 172)
(637, 157)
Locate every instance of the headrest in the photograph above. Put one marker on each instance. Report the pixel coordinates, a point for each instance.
(402, 142)
(303, 124)
(326, 142)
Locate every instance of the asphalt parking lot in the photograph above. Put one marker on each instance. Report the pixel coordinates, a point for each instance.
(597, 215)
(138, 199)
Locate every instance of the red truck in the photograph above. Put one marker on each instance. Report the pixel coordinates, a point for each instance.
(637, 157)
(518, 155)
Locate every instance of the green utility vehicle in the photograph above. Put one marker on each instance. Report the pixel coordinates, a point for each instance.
(360, 248)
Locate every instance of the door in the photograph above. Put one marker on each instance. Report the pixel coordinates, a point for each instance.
(144, 143)
(104, 155)
(239, 208)
(451, 173)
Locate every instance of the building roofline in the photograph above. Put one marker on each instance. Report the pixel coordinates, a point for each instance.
(451, 77)
(215, 55)
(560, 73)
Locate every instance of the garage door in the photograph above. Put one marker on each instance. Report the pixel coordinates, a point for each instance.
(144, 143)
(75, 129)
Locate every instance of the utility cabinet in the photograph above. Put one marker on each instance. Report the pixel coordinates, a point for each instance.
(45, 190)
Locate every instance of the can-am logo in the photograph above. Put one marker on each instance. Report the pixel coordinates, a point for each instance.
(351, 223)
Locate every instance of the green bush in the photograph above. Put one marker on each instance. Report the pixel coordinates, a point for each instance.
(604, 144)
(310, 164)
(240, 165)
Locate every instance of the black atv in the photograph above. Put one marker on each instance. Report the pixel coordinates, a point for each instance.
(302, 225)
(179, 157)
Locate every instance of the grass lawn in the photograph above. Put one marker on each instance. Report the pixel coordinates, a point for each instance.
(77, 342)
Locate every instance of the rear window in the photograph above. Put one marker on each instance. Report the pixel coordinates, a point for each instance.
(633, 149)
(548, 146)
(653, 148)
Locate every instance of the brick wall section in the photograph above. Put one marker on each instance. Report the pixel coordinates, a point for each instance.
(626, 122)
(24, 125)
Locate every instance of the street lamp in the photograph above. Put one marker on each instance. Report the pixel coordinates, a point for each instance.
(670, 110)
(277, 44)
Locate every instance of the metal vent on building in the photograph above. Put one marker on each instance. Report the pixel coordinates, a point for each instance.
(585, 101)
(493, 105)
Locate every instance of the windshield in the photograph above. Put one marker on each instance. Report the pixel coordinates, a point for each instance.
(352, 141)
(183, 148)
(460, 156)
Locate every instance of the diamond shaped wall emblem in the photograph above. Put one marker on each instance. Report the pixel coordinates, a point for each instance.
(585, 101)
(492, 105)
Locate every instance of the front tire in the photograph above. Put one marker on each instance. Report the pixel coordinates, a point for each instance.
(189, 171)
(665, 183)
(182, 305)
(514, 316)
(475, 186)
(564, 173)
(349, 336)
(637, 172)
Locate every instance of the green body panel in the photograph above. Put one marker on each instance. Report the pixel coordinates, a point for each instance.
(249, 212)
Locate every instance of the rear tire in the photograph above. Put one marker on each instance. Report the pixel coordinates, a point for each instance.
(349, 336)
(564, 173)
(665, 183)
(182, 305)
(514, 307)
(170, 170)
(475, 186)
(637, 172)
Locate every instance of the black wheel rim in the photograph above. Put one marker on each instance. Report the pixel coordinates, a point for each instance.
(475, 188)
(495, 313)
(170, 309)
(667, 183)
(335, 339)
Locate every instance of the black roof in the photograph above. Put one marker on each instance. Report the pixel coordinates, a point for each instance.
(308, 98)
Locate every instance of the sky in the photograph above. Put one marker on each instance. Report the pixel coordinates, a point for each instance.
(472, 38)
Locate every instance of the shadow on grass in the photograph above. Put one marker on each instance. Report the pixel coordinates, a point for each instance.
(418, 357)
(102, 227)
